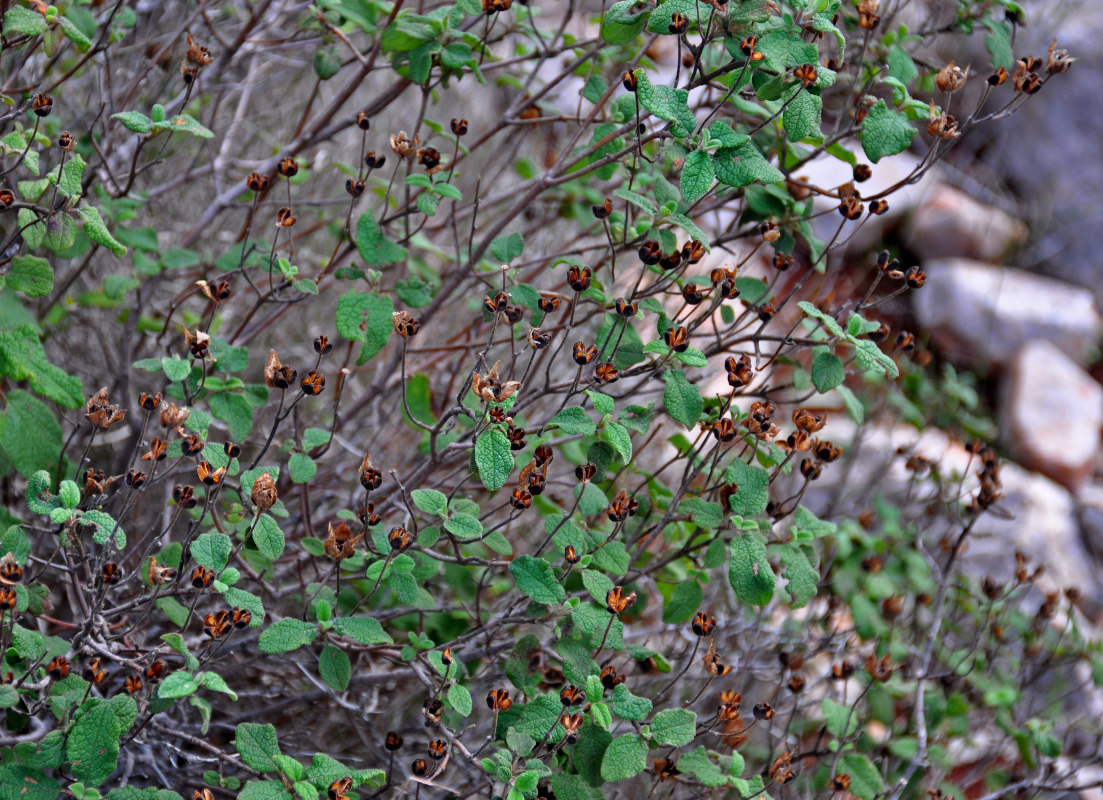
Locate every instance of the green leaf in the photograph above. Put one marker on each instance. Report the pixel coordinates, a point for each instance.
(574, 421)
(666, 103)
(268, 537)
(22, 358)
(754, 488)
(235, 411)
(682, 399)
(30, 438)
(865, 780)
(617, 435)
(698, 764)
(827, 371)
(71, 174)
(869, 357)
(801, 118)
(365, 630)
(998, 44)
(215, 683)
(135, 121)
(901, 66)
(625, 757)
(507, 248)
(464, 526)
(749, 570)
(375, 248)
(264, 790)
(853, 405)
(335, 668)
(535, 579)
(885, 132)
(18, 782)
(96, 230)
(31, 275)
(212, 550)
(287, 635)
(25, 21)
(430, 501)
(93, 744)
(744, 165)
(301, 467)
(802, 576)
(784, 48)
(628, 706)
(460, 699)
(836, 716)
(620, 25)
(674, 726)
(257, 744)
(697, 175)
(683, 603)
(494, 458)
(327, 62)
(366, 317)
(176, 368)
(178, 684)
(645, 204)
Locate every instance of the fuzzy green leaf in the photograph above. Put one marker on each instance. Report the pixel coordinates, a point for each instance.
(93, 744)
(628, 706)
(754, 489)
(301, 467)
(801, 118)
(674, 726)
(257, 744)
(749, 570)
(827, 371)
(625, 757)
(335, 668)
(885, 132)
(683, 603)
(135, 121)
(801, 575)
(268, 537)
(574, 421)
(619, 438)
(697, 176)
(23, 358)
(494, 458)
(535, 579)
(865, 779)
(97, 231)
(460, 699)
(23, 21)
(682, 399)
(30, 438)
(212, 550)
(365, 630)
(375, 248)
(287, 635)
(31, 275)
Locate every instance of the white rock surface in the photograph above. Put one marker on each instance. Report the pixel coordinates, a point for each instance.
(949, 222)
(1052, 414)
(984, 314)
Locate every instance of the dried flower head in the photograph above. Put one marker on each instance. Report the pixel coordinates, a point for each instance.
(101, 412)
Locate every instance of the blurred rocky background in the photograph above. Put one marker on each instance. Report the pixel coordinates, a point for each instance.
(1006, 230)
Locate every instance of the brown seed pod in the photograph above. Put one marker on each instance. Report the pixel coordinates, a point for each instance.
(287, 167)
(42, 105)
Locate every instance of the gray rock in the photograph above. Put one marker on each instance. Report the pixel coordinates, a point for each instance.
(983, 314)
(949, 222)
(1052, 414)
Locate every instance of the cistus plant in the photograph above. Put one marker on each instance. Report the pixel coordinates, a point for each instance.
(478, 389)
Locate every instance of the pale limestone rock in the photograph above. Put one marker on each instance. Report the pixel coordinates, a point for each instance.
(1052, 414)
(984, 314)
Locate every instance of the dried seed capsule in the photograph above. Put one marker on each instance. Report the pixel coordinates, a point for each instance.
(363, 121)
(288, 167)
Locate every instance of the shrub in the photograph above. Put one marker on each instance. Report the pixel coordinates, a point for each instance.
(401, 414)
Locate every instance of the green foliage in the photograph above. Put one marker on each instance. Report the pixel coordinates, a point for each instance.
(366, 474)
